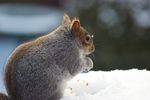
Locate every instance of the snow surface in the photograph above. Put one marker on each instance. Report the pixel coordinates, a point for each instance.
(112, 85)
(115, 85)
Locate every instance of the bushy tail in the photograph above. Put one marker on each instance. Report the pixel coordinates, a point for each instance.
(3, 97)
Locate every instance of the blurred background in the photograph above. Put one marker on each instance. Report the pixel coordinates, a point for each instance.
(121, 28)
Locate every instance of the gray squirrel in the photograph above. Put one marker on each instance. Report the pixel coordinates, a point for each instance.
(39, 69)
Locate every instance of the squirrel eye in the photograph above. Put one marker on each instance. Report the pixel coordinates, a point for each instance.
(87, 38)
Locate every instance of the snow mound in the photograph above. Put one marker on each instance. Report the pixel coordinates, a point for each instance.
(114, 85)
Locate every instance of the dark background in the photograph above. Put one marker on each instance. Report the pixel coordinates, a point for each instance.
(121, 29)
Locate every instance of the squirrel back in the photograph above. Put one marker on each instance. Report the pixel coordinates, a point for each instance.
(39, 69)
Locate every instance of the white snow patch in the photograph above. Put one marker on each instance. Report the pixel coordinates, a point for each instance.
(114, 85)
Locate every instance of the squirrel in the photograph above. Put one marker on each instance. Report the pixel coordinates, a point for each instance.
(39, 69)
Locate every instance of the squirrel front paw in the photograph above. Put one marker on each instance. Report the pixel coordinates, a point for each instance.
(88, 64)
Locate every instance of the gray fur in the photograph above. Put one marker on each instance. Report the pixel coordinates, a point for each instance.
(41, 73)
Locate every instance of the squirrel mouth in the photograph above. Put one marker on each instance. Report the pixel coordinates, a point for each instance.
(90, 50)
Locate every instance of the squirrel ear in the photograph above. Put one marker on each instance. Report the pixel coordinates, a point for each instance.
(66, 19)
(75, 24)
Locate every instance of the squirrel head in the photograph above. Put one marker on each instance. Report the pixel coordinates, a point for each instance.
(82, 36)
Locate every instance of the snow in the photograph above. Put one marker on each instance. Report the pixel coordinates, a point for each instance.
(112, 85)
